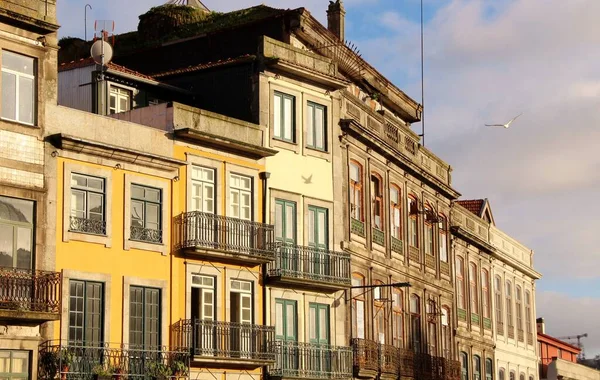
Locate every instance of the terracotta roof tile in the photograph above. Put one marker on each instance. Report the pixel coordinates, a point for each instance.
(473, 205)
(112, 66)
(206, 65)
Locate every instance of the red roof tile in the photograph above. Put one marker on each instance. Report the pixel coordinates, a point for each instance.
(473, 205)
(112, 66)
(207, 65)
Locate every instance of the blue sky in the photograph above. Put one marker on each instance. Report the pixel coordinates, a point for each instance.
(487, 61)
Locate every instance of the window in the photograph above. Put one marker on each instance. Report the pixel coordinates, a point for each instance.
(87, 204)
(476, 367)
(415, 322)
(473, 277)
(241, 311)
(146, 210)
(460, 283)
(509, 309)
(428, 232)
(501, 374)
(528, 317)
(446, 337)
(464, 366)
(120, 100)
(499, 313)
(398, 318)
(358, 307)
(286, 324)
(285, 221)
(16, 233)
(284, 120)
(18, 87)
(512, 375)
(443, 238)
(485, 293)
(318, 239)
(144, 317)
(377, 199)
(356, 190)
(431, 328)
(203, 190)
(316, 136)
(395, 212)
(86, 312)
(318, 329)
(203, 305)
(489, 369)
(519, 312)
(413, 226)
(522, 376)
(379, 317)
(240, 197)
(14, 365)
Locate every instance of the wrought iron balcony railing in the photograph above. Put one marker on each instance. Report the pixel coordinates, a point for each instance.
(77, 360)
(314, 361)
(29, 290)
(87, 226)
(213, 339)
(389, 360)
(241, 237)
(366, 355)
(147, 235)
(311, 264)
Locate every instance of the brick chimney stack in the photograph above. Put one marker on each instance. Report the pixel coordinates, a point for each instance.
(541, 326)
(335, 18)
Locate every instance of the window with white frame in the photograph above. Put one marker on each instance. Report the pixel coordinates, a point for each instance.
(203, 190)
(16, 233)
(498, 305)
(398, 318)
(443, 238)
(284, 121)
(240, 196)
(14, 364)
(395, 212)
(18, 87)
(146, 212)
(446, 337)
(120, 100)
(316, 126)
(87, 204)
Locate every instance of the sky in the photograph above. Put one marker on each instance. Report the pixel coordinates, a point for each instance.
(486, 62)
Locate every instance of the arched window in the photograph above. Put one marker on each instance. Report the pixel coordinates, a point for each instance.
(498, 306)
(396, 212)
(431, 328)
(446, 342)
(519, 312)
(358, 307)
(415, 322)
(522, 376)
(485, 293)
(476, 367)
(443, 238)
(460, 283)
(377, 201)
(474, 296)
(512, 375)
(428, 231)
(531, 378)
(489, 369)
(464, 366)
(413, 224)
(356, 191)
(509, 310)
(501, 374)
(528, 317)
(379, 313)
(398, 318)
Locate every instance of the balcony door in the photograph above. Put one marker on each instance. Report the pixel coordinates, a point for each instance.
(286, 333)
(318, 240)
(240, 233)
(318, 335)
(240, 315)
(203, 315)
(204, 225)
(285, 232)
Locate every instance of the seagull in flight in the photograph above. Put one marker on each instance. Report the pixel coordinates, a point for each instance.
(308, 180)
(504, 125)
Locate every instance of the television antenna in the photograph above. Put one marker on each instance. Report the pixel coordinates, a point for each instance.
(102, 51)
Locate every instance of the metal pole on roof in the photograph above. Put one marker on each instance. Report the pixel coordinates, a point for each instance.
(85, 20)
(422, 82)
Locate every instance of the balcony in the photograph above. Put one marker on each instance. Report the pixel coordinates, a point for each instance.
(311, 361)
(225, 239)
(366, 358)
(226, 344)
(310, 268)
(87, 226)
(78, 361)
(389, 362)
(28, 295)
(424, 366)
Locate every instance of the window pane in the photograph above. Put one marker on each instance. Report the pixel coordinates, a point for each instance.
(24, 248)
(6, 245)
(4, 361)
(277, 116)
(96, 206)
(313, 323)
(310, 126)
(95, 183)
(278, 220)
(153, 195)
(152, 217)
(123, 104)
(288, 118)
(319, 127)
(279, 319)
(9, 96)
(137, 214)
(137, 192)
(78, 180)
(354, 173)
(322, 223)
(17, 62)
(26, 100)
(290, 216)
(290, 315)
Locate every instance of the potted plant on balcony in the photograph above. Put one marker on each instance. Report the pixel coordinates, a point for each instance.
(66, 359)
(100, 373)
(117, 372)
(49, 364)
(179, 368)
(158, 370)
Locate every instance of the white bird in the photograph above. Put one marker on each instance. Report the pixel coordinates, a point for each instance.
(504, 125)
(308, 180)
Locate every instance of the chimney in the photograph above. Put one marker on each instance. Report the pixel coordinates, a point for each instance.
(541, 326)
(335, 18)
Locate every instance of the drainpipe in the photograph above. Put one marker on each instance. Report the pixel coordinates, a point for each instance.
(264, 176)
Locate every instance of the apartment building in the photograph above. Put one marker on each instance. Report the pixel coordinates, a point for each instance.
(29, 286)
(495, 278)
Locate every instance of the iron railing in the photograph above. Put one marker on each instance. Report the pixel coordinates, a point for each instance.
(29, 290)
(147, 235)
(242, 341)
(315, 361)
(366, 354)
(311, 263)
(389, 360)
(76, 360)
(87, 226)
(243, 237)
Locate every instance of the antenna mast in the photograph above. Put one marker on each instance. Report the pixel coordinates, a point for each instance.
(422, 82)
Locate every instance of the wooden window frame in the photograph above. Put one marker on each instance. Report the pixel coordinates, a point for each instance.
(445, 333)
(443, 237)
(356, 298)
(314, 131)
(428, 231)
(460, 283)
(415, 323)
(377, 200)
(519, 311)
(282, 96)
(464, 365)
(485, 293)
(413, 215)
(398, 312)
(356, 189)
(473, 288)
(499, 299)
(379, 312)
(396, 231)
(508, 300)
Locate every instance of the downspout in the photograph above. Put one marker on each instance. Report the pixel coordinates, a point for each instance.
(264, 176)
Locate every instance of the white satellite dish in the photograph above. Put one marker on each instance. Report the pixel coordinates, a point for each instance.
(99, 49)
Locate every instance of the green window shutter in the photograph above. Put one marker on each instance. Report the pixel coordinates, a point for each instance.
(86, 312)
(318, 323)
(286, 323)
(285, 221)
(318, 227)
(316, 127)
(144, 317)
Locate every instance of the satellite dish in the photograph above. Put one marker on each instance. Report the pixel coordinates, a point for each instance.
(101, 47)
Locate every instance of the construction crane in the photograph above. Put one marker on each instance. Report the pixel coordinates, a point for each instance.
(581, 355)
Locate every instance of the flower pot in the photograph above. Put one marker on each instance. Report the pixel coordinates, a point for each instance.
(63, 372)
